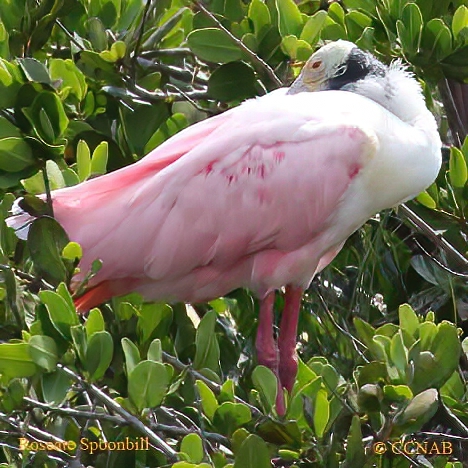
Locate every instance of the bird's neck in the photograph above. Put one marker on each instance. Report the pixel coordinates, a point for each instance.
(400, 93)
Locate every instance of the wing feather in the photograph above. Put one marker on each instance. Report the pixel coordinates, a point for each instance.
(264, 177)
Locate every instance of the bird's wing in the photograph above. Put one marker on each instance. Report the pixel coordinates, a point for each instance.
(266, 176)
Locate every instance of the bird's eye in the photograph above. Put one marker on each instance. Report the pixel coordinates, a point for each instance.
(316, 64)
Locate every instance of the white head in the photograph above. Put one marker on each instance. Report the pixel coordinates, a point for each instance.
(336, 65)
(342, 66)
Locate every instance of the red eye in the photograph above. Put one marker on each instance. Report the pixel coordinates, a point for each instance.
(316, 64)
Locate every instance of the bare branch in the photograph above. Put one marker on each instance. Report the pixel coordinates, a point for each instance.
(180, 366)
(438, 240)
(128, 417)
(256, 60)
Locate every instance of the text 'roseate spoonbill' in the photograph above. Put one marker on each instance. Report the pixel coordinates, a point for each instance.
(261, 197)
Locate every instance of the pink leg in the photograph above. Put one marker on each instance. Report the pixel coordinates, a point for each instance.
(267, 350)
(288, 337)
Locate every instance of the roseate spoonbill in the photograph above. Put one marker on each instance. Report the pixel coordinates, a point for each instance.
(262, 197)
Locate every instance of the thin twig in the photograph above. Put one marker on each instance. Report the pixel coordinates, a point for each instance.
(141, 30)
(354, 340)
(177, 51)
(68, 34)
(180, 366)
(32, 432)
(128, 417)
(176, 72)
(438, 262)
(439, 240)
(26, 276)
(191, 101)
(160, 96)
(454, 118)
(256, 60)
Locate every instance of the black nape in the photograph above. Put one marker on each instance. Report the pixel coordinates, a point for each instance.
(358, 66)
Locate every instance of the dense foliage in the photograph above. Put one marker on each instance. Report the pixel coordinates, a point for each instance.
(88, 86)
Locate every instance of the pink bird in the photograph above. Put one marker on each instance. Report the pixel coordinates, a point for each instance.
(261, 197)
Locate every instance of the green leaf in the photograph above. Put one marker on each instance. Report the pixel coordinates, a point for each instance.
(41, 33)
(213, 45)
(80, 342)
(426, 200)
(153, 318)
(15, 154)
(370, 397)
(413, 21)
(336, 13)
(170, 127)
(207, 347)
(36, 185)
(235, 80)
(397, 393)
(458, 173)
(230, 416)
(99, 158)
(69, 76)
(227, 391)
(446, 349)
(61, 314)
(43, 351)
(267, 385)
(364, 330)
(155, 352)
(48, 117)
(356, 23)
(4, 46)
(147, 384)
(83, 160)
(289, 18)
(355, 454)
(46, 240)
(459, 20)
(15, 360)
(64, 293)
(97, 33)
(208, 399)
(433, 367)
(399, 354)
(99, 354)
(192, 446)
(366, 41)
(34, 70)
(253, 453)
(313, 26)
(421, 408)
(408, 319)
(427, 333)
(260, 17)
(131, 353)
(296, 48)
(72, 251)
(11, 81)
(94, 322)
(55, 386)
(437, 39)
(321, 413)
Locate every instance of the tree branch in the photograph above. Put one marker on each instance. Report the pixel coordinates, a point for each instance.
(131, 420)
(256, 60)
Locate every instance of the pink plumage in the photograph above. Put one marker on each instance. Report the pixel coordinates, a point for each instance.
(231, 202)
(262, 196)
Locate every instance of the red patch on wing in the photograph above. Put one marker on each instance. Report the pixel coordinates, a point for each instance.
(279, 156)
(102, 293)
(354, 171)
